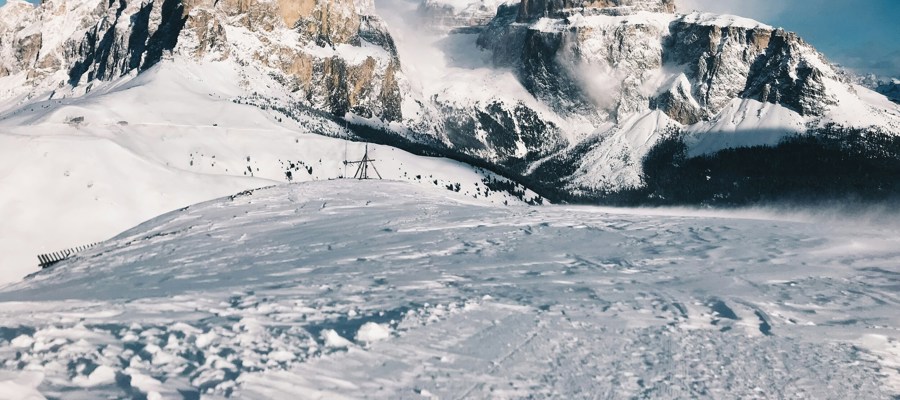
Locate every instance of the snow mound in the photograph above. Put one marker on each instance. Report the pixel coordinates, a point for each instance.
(744, 123)
(335, 340)
(371, 332)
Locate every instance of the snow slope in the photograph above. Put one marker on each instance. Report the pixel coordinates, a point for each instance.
(379, 289)
(167, 138)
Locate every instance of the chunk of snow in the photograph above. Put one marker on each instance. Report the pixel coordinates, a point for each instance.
(22, 341)
(21, 386)
(205, 339)
(101, 375)
(282, 356)
(371, 332)
(10, 390)
(146, 384)
(334, 340)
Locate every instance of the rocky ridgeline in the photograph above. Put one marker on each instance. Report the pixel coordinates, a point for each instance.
(315, 48)
(689, 66)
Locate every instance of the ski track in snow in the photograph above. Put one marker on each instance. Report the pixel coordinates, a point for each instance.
(348, 289)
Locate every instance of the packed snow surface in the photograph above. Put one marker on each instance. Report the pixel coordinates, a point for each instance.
(348, 289)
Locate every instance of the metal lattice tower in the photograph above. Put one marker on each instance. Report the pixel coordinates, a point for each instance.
(362, 171)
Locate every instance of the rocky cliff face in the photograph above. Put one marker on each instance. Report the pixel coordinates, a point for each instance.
(616, 64)
(688, 66)
(333, 55)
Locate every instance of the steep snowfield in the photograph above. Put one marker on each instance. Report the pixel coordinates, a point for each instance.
(745, 123)
(162, 140)
(379, 289)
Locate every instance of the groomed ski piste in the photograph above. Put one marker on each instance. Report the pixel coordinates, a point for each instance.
(390, 290)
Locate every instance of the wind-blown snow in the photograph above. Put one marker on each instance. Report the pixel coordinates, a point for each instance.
(347, 289)
(449, 69)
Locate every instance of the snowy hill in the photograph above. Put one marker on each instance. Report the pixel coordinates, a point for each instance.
(111, 113)
(347, 289)
(138, 152)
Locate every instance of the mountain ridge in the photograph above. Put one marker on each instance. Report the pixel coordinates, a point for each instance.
(588, 88)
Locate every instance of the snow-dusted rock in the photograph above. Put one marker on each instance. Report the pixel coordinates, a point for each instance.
(455, 14)
(891, 89)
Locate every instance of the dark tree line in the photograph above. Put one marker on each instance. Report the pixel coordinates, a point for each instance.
(823, 165)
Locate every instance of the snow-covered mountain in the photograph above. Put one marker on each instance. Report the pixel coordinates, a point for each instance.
(334, 55)
(890, 89)
(388, 290)
(123, 110)
(589, 87)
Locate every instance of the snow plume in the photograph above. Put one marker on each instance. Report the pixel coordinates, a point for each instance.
(599, 81)
(417, 45)
(835, 213)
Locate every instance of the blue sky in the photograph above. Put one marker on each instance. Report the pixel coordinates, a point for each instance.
(863, 35)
